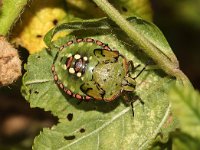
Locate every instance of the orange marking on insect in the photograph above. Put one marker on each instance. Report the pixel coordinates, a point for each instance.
(55, 77)
(89, 40)
(69, 92)
(87, 97)
(69, 43)
(79, 40)
(99, 43)
(107, 47)
(78, 96)
(61, 85)
(61, 48)
(53, 68)
(69, 61)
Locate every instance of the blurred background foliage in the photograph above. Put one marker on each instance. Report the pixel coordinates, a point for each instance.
(178, 20)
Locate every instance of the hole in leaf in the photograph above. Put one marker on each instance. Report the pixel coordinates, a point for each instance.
(124, 9)
(55, 21)
(71, 137)
(38, 36)
(70, 116)
(36, 92)
(82, 130)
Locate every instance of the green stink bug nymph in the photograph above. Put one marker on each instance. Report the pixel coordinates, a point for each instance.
(89, 69)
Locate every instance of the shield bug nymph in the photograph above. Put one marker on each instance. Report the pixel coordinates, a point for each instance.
(89, 69)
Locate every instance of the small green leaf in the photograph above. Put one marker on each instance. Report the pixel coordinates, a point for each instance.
(98, 125)
(185, 141)
(9, 12)
(186, 104)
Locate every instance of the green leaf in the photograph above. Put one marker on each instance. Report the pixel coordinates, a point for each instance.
(9, 12)
(146, 29)
(98, 125)
(185, 141)
(141, 8)
(127, 8)
(186, 103)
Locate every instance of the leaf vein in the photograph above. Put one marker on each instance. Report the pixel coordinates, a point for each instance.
(159, 126)
(99, 129)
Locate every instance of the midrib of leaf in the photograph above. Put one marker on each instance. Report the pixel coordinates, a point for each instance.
(99, 129)
(159, 126)
(116, 117)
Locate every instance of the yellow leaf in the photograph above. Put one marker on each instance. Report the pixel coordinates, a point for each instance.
(38, 18)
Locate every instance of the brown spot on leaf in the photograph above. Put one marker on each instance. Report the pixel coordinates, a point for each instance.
(55, 21)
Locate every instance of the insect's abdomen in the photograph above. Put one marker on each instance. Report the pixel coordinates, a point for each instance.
(74, 65)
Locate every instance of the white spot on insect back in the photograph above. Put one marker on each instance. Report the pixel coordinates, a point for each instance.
(85, 58)
(79, 74)
(77, 56)
(71, 70)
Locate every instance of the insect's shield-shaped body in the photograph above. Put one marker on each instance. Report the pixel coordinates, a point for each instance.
(89, 69)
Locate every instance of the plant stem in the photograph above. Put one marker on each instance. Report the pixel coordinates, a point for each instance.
(168, 66)
(9, 13)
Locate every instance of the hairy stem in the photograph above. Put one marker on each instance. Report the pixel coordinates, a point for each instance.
(170, 67)
(9, 12)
